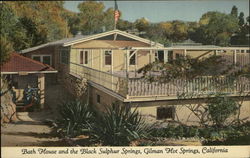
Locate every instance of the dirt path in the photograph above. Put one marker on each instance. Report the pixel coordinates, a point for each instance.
(29, 131)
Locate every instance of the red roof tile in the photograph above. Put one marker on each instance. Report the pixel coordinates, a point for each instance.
(19, 63)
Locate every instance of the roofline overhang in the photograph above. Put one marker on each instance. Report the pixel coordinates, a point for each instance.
(92, 37)
(29, 72)
(188, 48)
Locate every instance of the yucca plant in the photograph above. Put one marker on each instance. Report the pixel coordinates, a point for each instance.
(119, 125)
(75, 118)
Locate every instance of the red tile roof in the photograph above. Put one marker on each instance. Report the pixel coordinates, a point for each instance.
(19, 63)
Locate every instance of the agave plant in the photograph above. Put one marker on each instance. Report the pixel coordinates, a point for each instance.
(119, 125)
(75, 118)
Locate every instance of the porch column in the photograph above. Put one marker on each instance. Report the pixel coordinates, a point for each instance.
(185, 52)
(235, 57)
(41, 86)
(127, 62)
(112, 69)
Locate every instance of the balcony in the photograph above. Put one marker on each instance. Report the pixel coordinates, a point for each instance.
(131, 86)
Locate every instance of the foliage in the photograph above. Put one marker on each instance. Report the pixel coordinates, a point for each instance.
(32, 23)
(234, 11)
(93, 18)
(220, 109)
(241, 37)
(124, 25)
(211, 135)
(186, 68)
(166, 32)
(216, 28)
(75, 118)
(5, 50)
(142, 24)
(119, 125)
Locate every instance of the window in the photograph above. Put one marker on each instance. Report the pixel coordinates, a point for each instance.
(64, 56)
(132, 60)
(37, 58)
(46, 59)
(165, 113)
(81, 57)
(84, 57)
(248, 51)
(108, 57)
(98, 98)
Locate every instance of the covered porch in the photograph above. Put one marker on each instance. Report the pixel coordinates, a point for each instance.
(25, 78)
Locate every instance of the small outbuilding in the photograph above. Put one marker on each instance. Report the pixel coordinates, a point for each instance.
(22, 72)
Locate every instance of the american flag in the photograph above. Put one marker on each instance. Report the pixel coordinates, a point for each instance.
(116, 13)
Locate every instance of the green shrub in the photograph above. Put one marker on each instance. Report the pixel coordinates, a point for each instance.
(220, 109)
(75, 118)
(119, 125)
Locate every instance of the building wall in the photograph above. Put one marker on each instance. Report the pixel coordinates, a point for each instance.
(105, 99)
(182, 113)
(149, 109)
(50, 50)
(96, 56)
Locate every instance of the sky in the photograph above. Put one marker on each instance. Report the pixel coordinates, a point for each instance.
(168, 10)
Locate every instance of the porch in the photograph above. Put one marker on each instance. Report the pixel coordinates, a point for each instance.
(130, 86)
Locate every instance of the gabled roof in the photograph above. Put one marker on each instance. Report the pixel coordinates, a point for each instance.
(82, 38)
(19, 63)
(92, 37)
(59, 42)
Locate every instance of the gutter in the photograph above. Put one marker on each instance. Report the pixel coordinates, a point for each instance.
(29, 72)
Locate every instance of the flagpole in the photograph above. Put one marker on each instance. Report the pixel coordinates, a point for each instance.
(116, 17)
(116, 14)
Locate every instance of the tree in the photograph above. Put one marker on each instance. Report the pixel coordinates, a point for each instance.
(157, 33)
(216, 28)
(6, 49)
(46, 17)
(73, 21)
(91, 16)
(142, 24)
(241, 37)
(183, 73)
(234, 11)
(179, 31)
(241, 19)
(124, 25)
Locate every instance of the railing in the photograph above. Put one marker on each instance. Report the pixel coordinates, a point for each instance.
(198, 86)
(137, 87)
(241, 59)
(105, 79)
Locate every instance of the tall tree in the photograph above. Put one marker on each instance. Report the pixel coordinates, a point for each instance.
(234, 11)
(216, 28)
(241, 19)
(93, 17)
(5, 50)
(142, 24)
